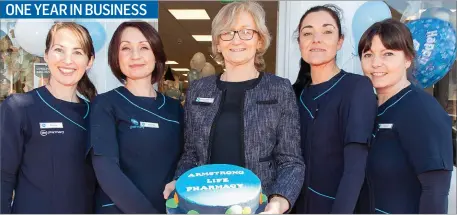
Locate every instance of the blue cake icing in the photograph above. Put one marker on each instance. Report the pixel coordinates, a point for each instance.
(219, 189)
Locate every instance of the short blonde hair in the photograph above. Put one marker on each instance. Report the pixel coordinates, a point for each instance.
(226, 17)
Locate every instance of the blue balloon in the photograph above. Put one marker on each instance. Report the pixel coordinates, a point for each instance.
(366, 15)
(435, 45)
(437, 12)
(97, 32)
(10, 25)
(2, 34)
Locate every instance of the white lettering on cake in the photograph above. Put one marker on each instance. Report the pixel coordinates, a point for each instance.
(215, 187)
(198, 174)
(191, 188)
(216, 180)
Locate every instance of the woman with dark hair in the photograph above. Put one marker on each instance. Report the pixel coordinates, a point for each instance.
(43, 133)
(135, 131)
(410, 161)
(337, 113)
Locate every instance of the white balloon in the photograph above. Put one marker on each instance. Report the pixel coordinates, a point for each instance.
(31, 34)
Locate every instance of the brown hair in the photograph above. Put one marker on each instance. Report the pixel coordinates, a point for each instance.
(153, 38)
(85, 86)
(393, 34)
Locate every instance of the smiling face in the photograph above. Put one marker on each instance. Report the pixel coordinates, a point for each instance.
(237, 51)
(136, 58)
(66, 58)
(385, 67)
(319, 38)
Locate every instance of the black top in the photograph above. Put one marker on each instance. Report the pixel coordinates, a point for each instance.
(227, 144)
(43, 151)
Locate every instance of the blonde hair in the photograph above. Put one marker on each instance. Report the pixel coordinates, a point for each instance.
(226, 17)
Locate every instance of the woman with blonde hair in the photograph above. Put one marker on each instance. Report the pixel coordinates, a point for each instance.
(245, 116)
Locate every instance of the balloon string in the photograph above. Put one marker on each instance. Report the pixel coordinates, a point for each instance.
(350, 58)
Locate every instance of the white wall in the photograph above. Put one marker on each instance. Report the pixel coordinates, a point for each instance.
(288, 54)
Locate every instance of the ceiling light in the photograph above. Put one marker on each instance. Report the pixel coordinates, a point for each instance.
(186, 14)
(452, 10)
(185, 74)
(203, 38)
(181, 69)
(171, 62)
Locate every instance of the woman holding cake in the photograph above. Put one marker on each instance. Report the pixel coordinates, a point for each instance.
(135, 130)
(337, 112)
(245, 117)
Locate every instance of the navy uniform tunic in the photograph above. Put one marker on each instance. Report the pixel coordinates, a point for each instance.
(413, 136)
(333, 114)
(143, 137)
(43, 152)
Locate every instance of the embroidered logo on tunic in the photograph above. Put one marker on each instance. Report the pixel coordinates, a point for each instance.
(135, 124)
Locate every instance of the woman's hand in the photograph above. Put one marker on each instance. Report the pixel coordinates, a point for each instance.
(277, 205)
(168, 189)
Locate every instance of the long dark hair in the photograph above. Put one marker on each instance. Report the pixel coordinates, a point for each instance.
(304, 75)
(85, 86)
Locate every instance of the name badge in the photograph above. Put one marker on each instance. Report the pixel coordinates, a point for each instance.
(48, 125)
(149, 125)
(205, 100)
(386, 126)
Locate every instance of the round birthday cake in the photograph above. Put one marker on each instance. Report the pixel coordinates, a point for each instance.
(217, 189)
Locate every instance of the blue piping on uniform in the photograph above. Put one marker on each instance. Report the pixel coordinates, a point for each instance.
(59, 112)
(320, 194)
(310, 114)
(168, 120)
(301, 100)
(88, 108)
(163, 101)
(330, 87)
(107, 205)
(394, 103)
(381, 211)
